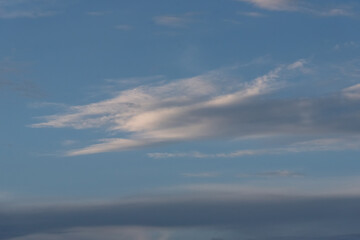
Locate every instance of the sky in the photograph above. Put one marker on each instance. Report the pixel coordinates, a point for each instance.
(173, 120)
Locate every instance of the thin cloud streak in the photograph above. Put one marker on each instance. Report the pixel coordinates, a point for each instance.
(175, 21)
(11, 9)
(271, 174)
(300, 6)
(316, 145)
(202, 175)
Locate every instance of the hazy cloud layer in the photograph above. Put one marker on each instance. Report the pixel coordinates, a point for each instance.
(255, 215)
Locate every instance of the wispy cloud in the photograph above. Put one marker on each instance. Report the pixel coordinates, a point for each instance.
(315, 145)
(251, 14)
(347, 45)
(175, 20)
(209, 106)
(98, 13)
(181, 110)
(25, 9)
(352, 92)
(124, 27)
(12, 78)
(300, 6)
(277, 173)
(201, 175)
(275, 5)
(240, 153)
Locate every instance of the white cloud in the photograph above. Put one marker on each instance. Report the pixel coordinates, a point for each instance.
(298, 64)
(175, 20)
(335, 12)
(278, 5)
(277, 173)
(251, 14)
(171, 21)
(315, 145)
(202, 175)
(352, 92)
(213, 106)
(123, 27)
(25, 9)
(300, 6)
(239, 153)
(68, 142)
(165, 113)
(349, 45)
(98, 13)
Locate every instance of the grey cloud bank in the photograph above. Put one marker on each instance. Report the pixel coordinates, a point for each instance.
(254, 215)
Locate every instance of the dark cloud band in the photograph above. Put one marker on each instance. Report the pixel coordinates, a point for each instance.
(334, 214)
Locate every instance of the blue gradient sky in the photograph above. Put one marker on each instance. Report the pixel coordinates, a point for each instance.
(109, 101)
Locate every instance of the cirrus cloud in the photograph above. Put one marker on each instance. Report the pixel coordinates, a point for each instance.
(185, 109)
(211, 106)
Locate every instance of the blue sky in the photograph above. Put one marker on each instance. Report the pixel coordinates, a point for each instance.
(171, 120)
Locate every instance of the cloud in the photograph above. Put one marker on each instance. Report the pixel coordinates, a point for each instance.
(202, 175)
(235, 22)
(352, 92)
(300, 6)
(175, 20)
(335, 12)
(252, 14)
(68, 142)
(98, 13)
(315, 145)
(267, 174)
(107, 233)
(275, 5)
(277, 173)
(124, 27)
(211, 106)
(256, 215)
(25, 9)
(349, 45)
(239, 153)
(13, 79)
(180, 110)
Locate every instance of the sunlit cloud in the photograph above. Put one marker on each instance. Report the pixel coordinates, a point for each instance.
(185, 109)
(300, 6)
(207, 107)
